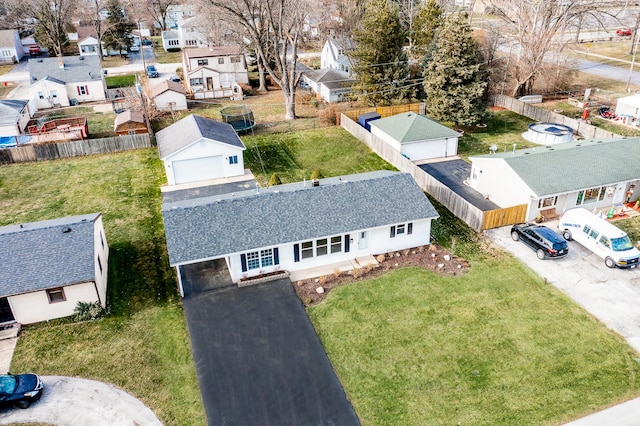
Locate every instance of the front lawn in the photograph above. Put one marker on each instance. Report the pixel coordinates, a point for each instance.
(116, 81)
(142, 346)
(494, 347)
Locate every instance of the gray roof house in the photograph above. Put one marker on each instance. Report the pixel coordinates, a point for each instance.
(14, 116)
(200, 149)
(50, 266)
(300, 225)
(594, 174)
(65, 81)
(416, 136)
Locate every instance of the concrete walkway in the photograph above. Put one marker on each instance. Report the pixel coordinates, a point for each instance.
(625, 414)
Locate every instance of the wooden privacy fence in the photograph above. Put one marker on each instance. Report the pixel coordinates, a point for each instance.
(52, 151)
(580, 127)
(503, 217)
(387, 111)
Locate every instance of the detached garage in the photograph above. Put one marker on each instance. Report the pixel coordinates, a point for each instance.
(416, 137)
(199, 149)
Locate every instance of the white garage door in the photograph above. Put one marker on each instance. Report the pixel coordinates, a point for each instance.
(424, 150)
(198, 169)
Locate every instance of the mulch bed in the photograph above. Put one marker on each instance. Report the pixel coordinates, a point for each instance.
(432, 257)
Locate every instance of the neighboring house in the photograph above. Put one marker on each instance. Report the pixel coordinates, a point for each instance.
(64, 81)
(14, 116)
(168, 96)
(88, 46)
(50, 266)
(190, 33)
(10, 46)
(299, 226)
(214, 72)
(589, 173)
(198, 149)
(329, 84)
(416, 137)
(130, 122)
(170, 40)
(335, 53)
(628, 109)
(177, 13)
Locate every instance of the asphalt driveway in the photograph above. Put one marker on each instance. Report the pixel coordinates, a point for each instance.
(611, 295)
(259, 360)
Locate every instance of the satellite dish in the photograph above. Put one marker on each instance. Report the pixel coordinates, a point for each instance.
(493, 148)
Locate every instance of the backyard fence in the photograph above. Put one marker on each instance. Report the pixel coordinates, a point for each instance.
(387, 111)
(580, 127)
(52, 151)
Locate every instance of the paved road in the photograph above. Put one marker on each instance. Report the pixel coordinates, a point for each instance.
(259, 360)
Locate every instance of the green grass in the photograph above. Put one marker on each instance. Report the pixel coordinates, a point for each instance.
(294, 156)
(142, 346)
(161, 56)
(113, 82)
(495, 346)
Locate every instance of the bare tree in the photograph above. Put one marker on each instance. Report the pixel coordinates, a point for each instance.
(274, 28)
(52, 17)
(157, 9)
(92, 14)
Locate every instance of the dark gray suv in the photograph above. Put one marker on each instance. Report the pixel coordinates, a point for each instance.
(543, 240)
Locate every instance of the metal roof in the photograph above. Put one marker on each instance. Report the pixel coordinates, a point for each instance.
(572, 166)
(76, 69)
(10, 110)
(411, 127)
(47, 254)
(210, 227)
(191, 129)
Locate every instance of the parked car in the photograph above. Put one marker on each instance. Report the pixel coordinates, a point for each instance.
(175, 78)
(147, 42)
(544, 241)
(35, 50)
(134, 48)
(623, 32)
(152, 72)
(20, 390)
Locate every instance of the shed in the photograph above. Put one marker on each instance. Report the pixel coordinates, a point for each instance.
(168, 96)
(629, 106)
(364, 119)
(130, 123)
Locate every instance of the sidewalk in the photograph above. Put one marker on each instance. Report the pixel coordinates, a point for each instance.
(625, 414)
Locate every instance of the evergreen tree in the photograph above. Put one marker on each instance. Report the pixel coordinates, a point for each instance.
(454, 81)
(424, 28)
(117, 35)
(380, 64)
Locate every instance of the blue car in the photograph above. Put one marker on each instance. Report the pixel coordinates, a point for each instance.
(152, 72)
(19, 390)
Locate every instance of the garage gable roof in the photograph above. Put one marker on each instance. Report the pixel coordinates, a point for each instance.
(190, 130)
(47, 254)
(412, 127)
(11, 109)
(572, 166)
(211, 227)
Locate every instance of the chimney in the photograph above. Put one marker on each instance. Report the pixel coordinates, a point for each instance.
(60, 62)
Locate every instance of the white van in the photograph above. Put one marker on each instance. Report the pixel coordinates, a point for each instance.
(595, 233)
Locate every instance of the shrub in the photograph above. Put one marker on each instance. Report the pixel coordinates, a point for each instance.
(327, 115)
(173, 49)
(247, 90)
(88, 311)
(275, 180)
(316, 174)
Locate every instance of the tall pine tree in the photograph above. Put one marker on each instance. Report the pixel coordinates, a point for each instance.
(424, 28)
(117, 34)
(380, 65)
(454, 81)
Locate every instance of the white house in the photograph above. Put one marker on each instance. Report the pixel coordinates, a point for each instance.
(168, 96)
(299, 226)
(11, 49)
(330, 84)
(214, 72)
(58, 82)
(88, 46)
(198, 149)
(170, 40)
(50, 266)
(179, 12)
(629, 108)
(14, 116)
(590, 173)
(335, 53)
(416, 136)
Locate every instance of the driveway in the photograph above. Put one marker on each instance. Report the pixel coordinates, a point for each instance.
(611, 295)
(73, 401)
(259, 360)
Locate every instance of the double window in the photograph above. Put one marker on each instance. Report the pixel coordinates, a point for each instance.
(321, 247)
(203, 62)
(83, 90)
(591, 195)
(235, 59)
(259, 259)
(402, 229)
(233, 159)
(195, 81)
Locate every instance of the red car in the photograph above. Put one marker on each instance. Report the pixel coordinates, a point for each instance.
(623, 32)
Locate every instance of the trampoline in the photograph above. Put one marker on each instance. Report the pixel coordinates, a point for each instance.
(240, 117)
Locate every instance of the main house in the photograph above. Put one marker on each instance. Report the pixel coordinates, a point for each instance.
(199, 149)
(299, 226)
(214, 72)
(65, 81)
(50, 266)
(590, 173)
(416, 136)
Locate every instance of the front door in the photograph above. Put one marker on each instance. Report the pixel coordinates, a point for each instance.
(363, 240)
(6, 315)
(209, 83)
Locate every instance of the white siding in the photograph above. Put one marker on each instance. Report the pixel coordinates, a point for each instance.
(491, 175)
(101, 250)
(94, 91)
(165, 100)
(53, 94)
(35, 307)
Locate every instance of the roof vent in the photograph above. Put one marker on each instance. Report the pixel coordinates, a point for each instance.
(66, 230)
(81, 58)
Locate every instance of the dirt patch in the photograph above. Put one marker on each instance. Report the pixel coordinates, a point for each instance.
(432, 257)
(496, 108)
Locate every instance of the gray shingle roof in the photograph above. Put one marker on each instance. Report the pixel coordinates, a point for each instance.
(211, 227)
(10, 110)
(77, 69)
(192, 128)
(7, 38)
(411, 127)
(572, 166)
(41, 255)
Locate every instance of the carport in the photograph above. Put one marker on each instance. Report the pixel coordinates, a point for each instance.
(259, 360)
